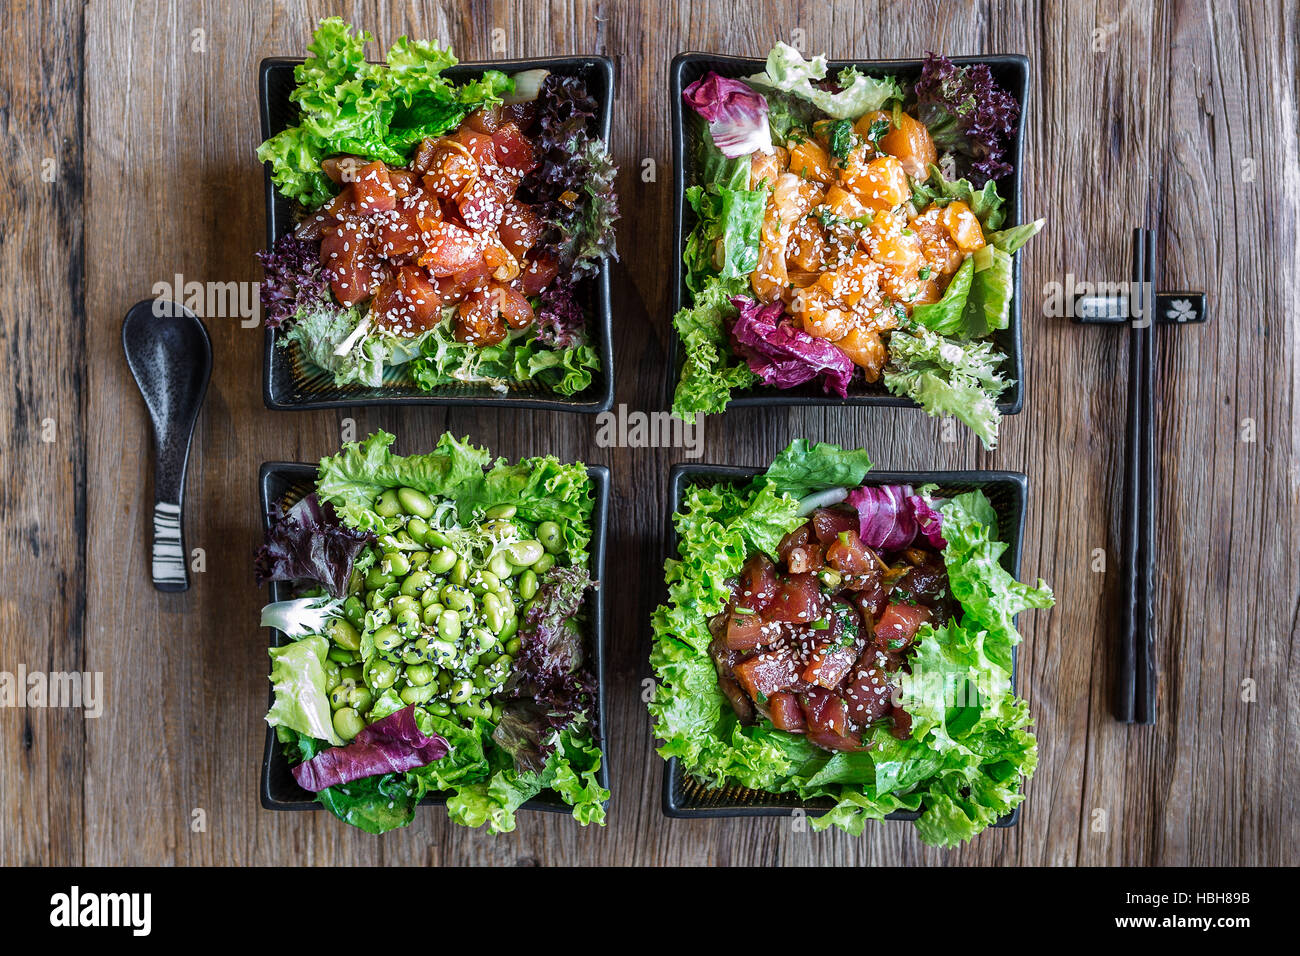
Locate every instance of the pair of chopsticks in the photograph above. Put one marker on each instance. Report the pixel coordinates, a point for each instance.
(1136, 687)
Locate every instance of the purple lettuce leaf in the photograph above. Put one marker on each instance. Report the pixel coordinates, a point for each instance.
(571, 163)
(309, 543)
(294, 280)
(561, 323)
(968, 115)
(393, 744)
(891, 517)
(783, 355)
(550, 686)
(736, 114)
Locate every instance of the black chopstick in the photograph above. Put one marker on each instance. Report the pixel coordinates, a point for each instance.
(1145, 638)
(1126, 679)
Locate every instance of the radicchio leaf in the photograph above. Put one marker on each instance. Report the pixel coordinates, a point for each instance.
(309, 543)
(783, 355)
(393, 744)
(890, 517)
(736, 114)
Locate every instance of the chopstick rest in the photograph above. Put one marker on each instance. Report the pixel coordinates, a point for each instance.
(1142, 309)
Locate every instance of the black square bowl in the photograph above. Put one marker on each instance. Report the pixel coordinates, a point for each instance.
(1011, 72)
(283, 483)
(290, 384)
(684, 797)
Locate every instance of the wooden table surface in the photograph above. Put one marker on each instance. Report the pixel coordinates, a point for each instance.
(129, 133)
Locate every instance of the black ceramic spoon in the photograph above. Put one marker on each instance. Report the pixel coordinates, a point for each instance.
(170, 356)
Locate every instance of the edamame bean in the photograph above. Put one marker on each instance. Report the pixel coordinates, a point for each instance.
(348, 723)
(402, 602)
(395, 564)
(360, 699)
(508, 632)
(341, 655)
(513, 646)
(343, 634)
(351, 672)
(332, 677)
(376, 578)
(483, 640)
(449, 625)
(354, 610)
(443, 652)
(444, 681)
(388, 638)
(417, 528)
(419, 674)
(524, 554)
(499, 527)
(430, 594)
(544, 564)
(408, 621)
(500, 566)
(340, 693)
(416, 582)
(551, 536)
(415, 695)
(442, 561)
(430, 615)
(457, 598)
(460, 691)
(375, 600)
(475, 709)
(388, 504)
(419, 559)
(439, 707)
(528, 584)
(381, 674)
(498, 711)
(487, 581)
(415, 502)
(435, 538)
(459, 572)
(492, 613)
(501, 511)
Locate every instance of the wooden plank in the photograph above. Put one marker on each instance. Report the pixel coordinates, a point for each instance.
(42, 361)
(172, 187)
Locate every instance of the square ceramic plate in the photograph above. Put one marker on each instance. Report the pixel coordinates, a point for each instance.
(1011, 72)
(683, 795)
(283, 484)
(288, 383)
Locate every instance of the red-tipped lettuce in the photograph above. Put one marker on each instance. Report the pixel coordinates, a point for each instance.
(783, 355)
(969, 116)
(393, 744)
(736, 114)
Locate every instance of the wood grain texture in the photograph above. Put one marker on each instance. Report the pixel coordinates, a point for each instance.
(1193, 102)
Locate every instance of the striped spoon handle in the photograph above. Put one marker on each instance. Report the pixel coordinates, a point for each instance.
(169, 571)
